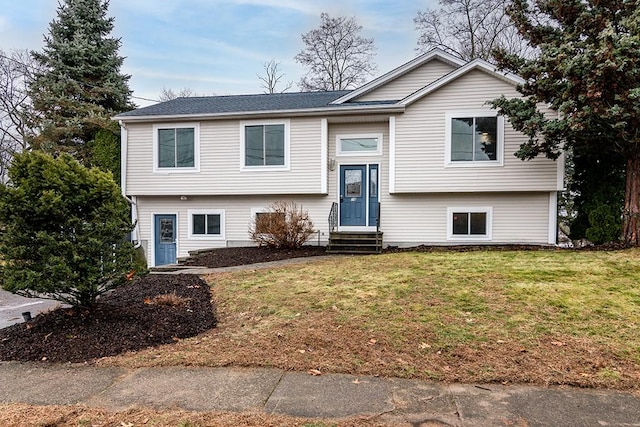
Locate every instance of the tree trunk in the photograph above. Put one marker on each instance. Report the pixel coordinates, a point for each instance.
(631, 214)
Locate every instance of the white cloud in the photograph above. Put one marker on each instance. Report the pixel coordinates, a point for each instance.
(305, 7)
(186, 77)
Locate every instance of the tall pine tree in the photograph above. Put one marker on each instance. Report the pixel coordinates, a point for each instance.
(588, 70)
(80, 85)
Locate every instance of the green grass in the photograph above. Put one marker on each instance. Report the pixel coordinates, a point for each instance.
(456, 298)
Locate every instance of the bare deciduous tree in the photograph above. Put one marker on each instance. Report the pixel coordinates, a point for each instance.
(169, 94)
(469, 29)
(16, 68)
(272, 77)
(336, 55)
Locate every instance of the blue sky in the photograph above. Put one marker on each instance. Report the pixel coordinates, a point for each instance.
(219, 46)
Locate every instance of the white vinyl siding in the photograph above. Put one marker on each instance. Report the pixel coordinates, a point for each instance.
(420, 145)
(422, 218)
(405, 85)
(220, 171)
(407, 220)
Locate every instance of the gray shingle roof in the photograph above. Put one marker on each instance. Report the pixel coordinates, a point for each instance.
(238, 104)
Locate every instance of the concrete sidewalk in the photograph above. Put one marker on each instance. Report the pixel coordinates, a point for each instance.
(329, 396)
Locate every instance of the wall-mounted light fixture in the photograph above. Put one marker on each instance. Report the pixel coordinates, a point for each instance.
(332, 164)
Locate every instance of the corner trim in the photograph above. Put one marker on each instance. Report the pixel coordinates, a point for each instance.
(392, 154)
(324, 156)
(553, 217)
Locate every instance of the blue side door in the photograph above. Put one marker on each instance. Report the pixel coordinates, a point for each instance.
(353, 195)
(165, 239)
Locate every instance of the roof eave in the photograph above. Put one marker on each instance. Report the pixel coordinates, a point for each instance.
(332, 111)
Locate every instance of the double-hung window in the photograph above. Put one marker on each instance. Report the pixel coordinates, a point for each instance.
(265, 145)
(469, 223)
(206, 224)
(474, 138)
(176, 147)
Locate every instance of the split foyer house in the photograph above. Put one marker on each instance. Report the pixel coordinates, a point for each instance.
(416, 154)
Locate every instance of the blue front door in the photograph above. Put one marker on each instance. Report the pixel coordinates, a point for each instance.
(165, 239)
(353, 195)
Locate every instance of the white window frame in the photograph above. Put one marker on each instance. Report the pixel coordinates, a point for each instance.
(341, 153)
(449, 115)
(196, 148)
(192, 212)
(470, 209)
(287, 156)
(255, 211)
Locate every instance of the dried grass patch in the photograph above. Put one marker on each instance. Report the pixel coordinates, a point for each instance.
(546, 317)
(21, 415)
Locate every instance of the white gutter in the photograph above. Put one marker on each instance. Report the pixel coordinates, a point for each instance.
(135, 235)
(332, 111)
(124, 137)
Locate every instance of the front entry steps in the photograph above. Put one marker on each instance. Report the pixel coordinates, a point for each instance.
(346, 242)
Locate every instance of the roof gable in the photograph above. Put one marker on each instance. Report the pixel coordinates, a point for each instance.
(477, 64)
(433, 54)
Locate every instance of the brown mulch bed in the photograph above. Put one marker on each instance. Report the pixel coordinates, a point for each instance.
(230, 257)
(152, 310)
(130, 318)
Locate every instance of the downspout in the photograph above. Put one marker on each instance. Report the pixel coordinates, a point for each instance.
(124, 137)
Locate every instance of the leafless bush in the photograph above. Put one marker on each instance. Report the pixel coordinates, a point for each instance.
(282, 225)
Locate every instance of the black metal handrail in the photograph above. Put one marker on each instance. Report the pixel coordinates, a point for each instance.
(378, 219)
(333, 217)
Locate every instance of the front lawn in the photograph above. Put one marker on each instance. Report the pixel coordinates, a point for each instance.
(543, 317)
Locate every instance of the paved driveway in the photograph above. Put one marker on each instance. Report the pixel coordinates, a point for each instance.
(12, 307)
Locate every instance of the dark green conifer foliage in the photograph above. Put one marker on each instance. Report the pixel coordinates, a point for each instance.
(80, 86)
(64, 230)
(588, 70)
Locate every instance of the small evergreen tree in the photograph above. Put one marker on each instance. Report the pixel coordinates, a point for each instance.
(64, 230)
(78, 85)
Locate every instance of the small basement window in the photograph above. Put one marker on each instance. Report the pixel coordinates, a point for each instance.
(206, 224)
(469, 223)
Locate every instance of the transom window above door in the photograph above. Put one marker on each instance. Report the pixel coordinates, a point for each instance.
(265, 145)
(359, 145)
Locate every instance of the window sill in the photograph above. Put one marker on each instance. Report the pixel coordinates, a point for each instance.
(169, 171)
(265, 169)
(468, 238)
(472, 164)
(359, 154)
